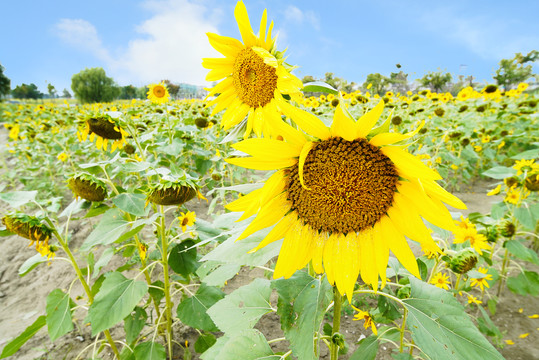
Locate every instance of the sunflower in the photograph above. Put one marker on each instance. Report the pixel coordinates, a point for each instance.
(364, 315)
(481, 282)
(441, 280)
(105, 129)
(477, 241)
(344, 199)
(255, 76)
(187, 219)
(158, 93)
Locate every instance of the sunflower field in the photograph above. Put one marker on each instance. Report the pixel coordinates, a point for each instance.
(266, 223)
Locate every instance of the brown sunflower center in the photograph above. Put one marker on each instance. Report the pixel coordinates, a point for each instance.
(255, 81)
(159, 91)
(104, 128)
(351, 186)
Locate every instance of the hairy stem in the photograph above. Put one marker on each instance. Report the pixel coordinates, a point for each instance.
(337, 300)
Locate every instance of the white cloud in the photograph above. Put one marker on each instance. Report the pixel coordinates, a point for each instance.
(169, 45)
(295, 15)
(486, 37)
(82, 35)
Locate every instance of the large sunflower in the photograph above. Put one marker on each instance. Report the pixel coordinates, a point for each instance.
(344, 199)
(255, 76)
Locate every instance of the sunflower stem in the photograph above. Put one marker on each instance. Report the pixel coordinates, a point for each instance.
(168, 309)
(504, 264)
(402, 329)
(458, 282)
(85, 285)
(337, 301)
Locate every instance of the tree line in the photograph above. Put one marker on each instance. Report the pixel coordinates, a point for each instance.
(93, 85)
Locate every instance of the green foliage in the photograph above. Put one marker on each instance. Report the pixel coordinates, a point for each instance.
(59, 314)
(204, 342)
(514, 71)
(92, 85)
(367, 350)
(526, 283)
(150, 351)
(134, 323)
(242, 308)
(5, 83)
(183, 258)
(302, 305)
(248, 344)
(14, 345)
(441, 328)
(436, 80)
(116, 298)
(25, 91)
(378, 83)
(193, 311)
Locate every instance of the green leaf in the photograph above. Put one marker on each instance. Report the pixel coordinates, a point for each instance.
(525, 216)
(18, 198)
(498, 210)
(59, 314)
(214, 273)
(302, 305)
(423, 270)
(193, 311)
(204, 342)
(14, 345)
(109, 229)
(203, 165)
(131, 203)
(319, 86)
(135, 166)
(150, 351)
(134, 323)
(441, 328)
(500, 172)
(183, 261)
(234, 252)
(31, 263)
(486, 325)
(103, 261)
(116, 298)
(127, 354)
(526, 283)
(518, 249)
(527, 155)
(173, 149)
(157, 294)
(76, 206)
(96, 210)
(242, 308)
(245, 345)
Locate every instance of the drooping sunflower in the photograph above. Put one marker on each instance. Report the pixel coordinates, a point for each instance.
(158, 93)
(344, 199)
(255, 76)
(104, 129)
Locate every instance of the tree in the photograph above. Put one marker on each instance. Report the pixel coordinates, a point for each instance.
(378, 83)
(52, 90)
(399, 81)
(5, 83)
(128, 92)
(173, 89)
(25, 91)
(93, 85)
(512, 71)
(66, 94)
(436, 80)
(307, 79)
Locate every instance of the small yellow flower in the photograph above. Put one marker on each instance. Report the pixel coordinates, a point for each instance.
(501, 145)
(187, 219)
(369, 86)
(477, 241)
(465, 223)
(158, 93)
(363, 315)
(495, 191)
(438, 160)
(478, 148)
(523, 336)
(512, 196)
(473, 299)
(520, 311)
(63, 157)
(481, 282)
(440, 280)
(509, 342)
(14, 132)
(525, 165)
(522, 86)
(142, 250)
(454, 167)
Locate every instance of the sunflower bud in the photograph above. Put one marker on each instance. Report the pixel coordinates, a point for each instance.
(129, 149)
(396, 120)
(171, 194)
(463, 108)
(439, 112)
(105, 127)
(507, 229)
(489, 89)
(334, 102)
(511, 181)
(404, 292)
(481, 108)
(463, 261)
(87, 187)
(216, 176)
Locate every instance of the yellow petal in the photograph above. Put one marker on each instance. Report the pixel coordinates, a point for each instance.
(367, 121)
(268, 215)
(391, 138)
(224, 85)
(398, 246)
(302, 156)
(269, 149)
(436, 191)
(262, 30)
(381, 252)
(343, 125)
(227, 46)
(307, 121)
(217, 63)
(329, 258)
(369, 273)
(266, 56)
(246, 31)
(408, 165)
(295, 252)
(318, 252)
(260, 164)
(277, 233)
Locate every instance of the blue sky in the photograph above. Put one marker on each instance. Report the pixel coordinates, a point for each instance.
(145, 41)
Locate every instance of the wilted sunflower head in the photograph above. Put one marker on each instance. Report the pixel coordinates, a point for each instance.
(463, 108)
(105, 129)
(158, 93)
(334, 102)
(532, 182)
(396, 120)
(489, 89)
(481, 108)
(463, 261)
(439, 112)
(28, 227)
(511, 181)
(507, 229)
(202, 122)
(172, 193)
(87, 187)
